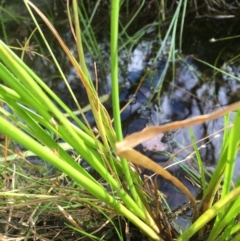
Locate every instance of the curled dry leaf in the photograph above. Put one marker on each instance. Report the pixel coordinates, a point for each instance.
(141, 160)
(151, 131)
(123, 148)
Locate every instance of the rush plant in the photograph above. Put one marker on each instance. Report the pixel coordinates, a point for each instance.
(35, 115)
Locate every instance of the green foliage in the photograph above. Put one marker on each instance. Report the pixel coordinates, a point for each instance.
(36, 112)
(35, 121)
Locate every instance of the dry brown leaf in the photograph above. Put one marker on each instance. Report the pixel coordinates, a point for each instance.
(139, 159)
(151, 131)
(123, 148)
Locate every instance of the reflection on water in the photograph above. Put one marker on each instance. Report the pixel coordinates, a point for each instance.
(187, 95)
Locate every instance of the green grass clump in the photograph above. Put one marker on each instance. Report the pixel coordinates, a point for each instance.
(34, 120)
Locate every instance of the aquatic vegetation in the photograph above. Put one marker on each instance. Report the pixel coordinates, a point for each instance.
(33, 116)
